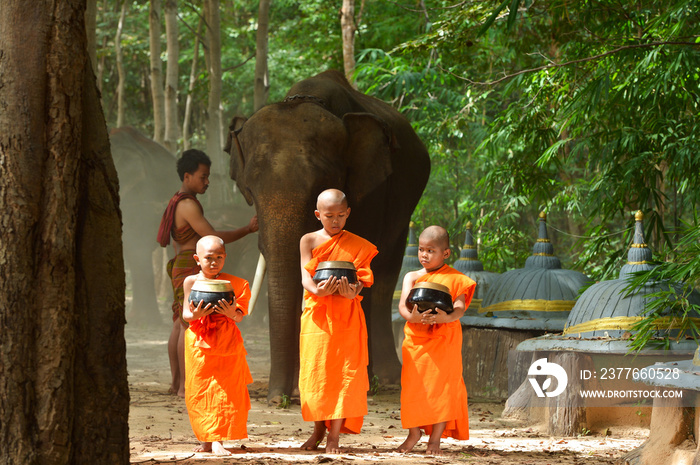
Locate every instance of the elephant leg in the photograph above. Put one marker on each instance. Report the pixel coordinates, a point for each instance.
(384, 363)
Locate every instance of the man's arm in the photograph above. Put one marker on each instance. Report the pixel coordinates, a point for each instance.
(189, 211)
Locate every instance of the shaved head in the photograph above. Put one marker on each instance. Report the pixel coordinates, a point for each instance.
(437, 234)
(209, 243)
(331, 197)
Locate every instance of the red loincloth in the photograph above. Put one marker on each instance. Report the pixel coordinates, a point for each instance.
(333, 379)
(432, 387)
(217, 374)
(180, 267)
(167, 222)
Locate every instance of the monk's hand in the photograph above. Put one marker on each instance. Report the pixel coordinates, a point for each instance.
(228, 309)
(434, 317)
(346, 289)
(199, 311)
(327, 287)
(416, 316)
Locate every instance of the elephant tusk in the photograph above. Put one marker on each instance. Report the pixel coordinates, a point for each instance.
(257, 283)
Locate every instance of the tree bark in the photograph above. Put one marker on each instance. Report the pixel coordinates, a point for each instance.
(63, 387)
(214, 133)
(193, 79)
(347, 25)
(91, 31)
(262, 84)
(156, 73)
(172, 122)
(120, 66)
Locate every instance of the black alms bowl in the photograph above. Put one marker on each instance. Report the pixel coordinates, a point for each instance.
(325, 270)
(429, 296)
(211, 291)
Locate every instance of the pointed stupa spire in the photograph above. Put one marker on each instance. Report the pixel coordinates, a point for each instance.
(410, 259)
(639, 254)
(469, 256)
(543, 250)
(469, 264)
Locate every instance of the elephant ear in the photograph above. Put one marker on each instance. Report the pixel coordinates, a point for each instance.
(236, 158)
(368, 153)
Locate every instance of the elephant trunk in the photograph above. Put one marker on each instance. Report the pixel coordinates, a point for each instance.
(285, 302)
(279, 243)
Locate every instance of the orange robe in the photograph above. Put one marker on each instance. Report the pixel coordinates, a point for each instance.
(432, 387)
(333, 379)
(217, 374)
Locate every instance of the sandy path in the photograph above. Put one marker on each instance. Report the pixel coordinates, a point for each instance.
(160, 432)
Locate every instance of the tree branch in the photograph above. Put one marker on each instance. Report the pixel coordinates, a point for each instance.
(572, 62)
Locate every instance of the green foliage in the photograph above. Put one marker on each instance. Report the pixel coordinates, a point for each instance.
(674, 300)
(285, 403)
(374, 385)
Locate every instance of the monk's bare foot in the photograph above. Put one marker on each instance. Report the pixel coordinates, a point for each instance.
(217, 448)
(413, 437)
(313, 442)
(181, 393)
(203, 447)
(433, 448)
(332, 445)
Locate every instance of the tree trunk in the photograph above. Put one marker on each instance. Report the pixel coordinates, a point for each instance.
(214, 132)
(347, 25)
(120, 66)
(63, 387)
(193, 79)
(91, 31)
(172, 122)
(156, 73)
(262, 84)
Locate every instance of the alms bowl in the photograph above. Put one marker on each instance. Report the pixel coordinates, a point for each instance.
(428, 296)
(325, 270)
(211, 291)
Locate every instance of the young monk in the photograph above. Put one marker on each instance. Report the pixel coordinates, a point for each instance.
(433, 394)
(333, 380)
(184, 220)
(216, 370)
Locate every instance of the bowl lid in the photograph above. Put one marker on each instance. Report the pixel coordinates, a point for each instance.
(434, 286)
(336, 265)
(212, 285)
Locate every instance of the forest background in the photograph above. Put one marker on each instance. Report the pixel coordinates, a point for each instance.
(586, 110)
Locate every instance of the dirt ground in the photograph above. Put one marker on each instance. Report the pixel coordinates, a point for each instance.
(160, 432)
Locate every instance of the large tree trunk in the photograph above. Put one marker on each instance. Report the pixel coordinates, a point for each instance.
(171, 119)
(156, 73)
(120, 66)
(347, 25)
(214, 132)
(63, 388)
(91, 31)
(262, 84)
(193, 79)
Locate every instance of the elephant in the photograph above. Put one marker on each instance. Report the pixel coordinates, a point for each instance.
(147, 180)
(325, 134)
